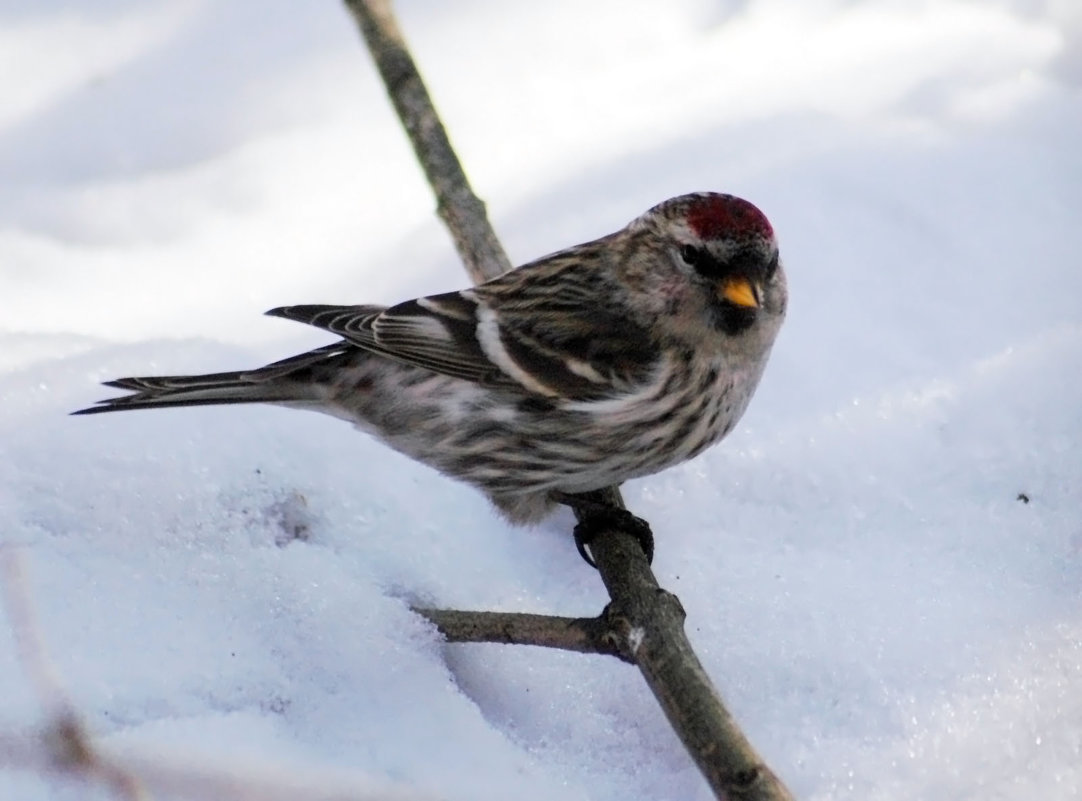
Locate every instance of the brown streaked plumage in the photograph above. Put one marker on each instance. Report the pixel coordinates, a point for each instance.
(610, 360)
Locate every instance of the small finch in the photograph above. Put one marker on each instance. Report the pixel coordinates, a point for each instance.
(607, 361)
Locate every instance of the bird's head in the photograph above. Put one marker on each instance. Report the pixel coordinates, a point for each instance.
(722, 258)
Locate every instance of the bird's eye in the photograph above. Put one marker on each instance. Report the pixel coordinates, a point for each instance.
(691, 255)
(772, 267)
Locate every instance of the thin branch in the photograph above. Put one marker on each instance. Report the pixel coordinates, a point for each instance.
(648, 619)
(460, 209)
(586, 635)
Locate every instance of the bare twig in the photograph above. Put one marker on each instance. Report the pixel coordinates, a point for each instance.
(460, 209)
(646, 620)
(26, 632)
(586, 635)
(65, 747)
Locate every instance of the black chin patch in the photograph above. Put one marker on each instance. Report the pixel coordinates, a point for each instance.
(733, 319)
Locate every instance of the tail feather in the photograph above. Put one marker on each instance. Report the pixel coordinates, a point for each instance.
(296, 379)
(288, 380)
(198, 390)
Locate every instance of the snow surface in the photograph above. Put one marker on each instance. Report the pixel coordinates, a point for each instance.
(886, 615)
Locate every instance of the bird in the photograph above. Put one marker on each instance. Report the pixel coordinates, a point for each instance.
(606, 361)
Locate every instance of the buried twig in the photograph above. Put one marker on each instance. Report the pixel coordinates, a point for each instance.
(63, 747)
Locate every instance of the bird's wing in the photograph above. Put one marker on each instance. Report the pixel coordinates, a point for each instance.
(549, 328)
(428, 332)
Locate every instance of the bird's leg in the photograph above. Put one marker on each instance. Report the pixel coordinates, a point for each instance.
(597, 516)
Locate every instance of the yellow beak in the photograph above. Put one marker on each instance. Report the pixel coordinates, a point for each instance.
(739, 291)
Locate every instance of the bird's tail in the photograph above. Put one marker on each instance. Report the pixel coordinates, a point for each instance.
(287, 381)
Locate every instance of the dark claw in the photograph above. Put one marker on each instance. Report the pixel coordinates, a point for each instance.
(602, 518)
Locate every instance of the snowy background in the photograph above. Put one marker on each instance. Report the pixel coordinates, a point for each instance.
(885, 615)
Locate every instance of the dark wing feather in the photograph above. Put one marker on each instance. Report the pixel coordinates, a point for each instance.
(555, 328)
(437, 333)
(567, 321)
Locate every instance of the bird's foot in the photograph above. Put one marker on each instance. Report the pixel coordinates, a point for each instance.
(603, 518)
(598, 517)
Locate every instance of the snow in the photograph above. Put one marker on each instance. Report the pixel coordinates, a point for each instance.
(882, 565)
